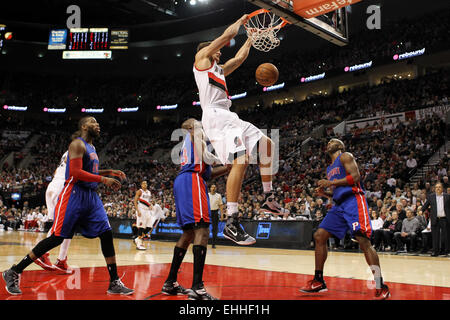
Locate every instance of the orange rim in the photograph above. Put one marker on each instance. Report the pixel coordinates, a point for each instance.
(260, 11)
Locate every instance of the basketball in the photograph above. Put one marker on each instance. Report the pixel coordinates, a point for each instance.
(266, 74)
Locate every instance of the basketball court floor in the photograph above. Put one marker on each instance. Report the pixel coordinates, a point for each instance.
(231, 273)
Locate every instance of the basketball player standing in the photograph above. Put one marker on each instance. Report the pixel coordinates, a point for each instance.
(350, 213)
(233, 139)
(193, 210)
(79, 204)
(143, 214)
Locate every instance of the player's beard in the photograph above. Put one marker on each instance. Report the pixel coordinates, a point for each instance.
(93, 133)
(335, 148)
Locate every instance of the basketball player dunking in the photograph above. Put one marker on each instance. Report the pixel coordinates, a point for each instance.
(193, 210)
(350, 213)
(233, 139)
(142, 203)
(79, 204)
(51, 198)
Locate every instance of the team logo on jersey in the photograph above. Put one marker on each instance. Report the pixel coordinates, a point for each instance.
(217, 82)
(219, 70)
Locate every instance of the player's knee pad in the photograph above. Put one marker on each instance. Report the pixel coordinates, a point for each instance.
(47, 244)
(106, 241)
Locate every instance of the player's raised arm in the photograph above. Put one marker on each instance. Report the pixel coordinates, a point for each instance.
(202, 57)
(238, 59)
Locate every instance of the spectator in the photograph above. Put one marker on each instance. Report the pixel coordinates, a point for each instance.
(408, 235)
(440, 219)
(411, 163)
(386, 234)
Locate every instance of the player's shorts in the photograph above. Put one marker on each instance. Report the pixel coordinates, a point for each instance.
(352, 215)
(191, 200)
(51, 196)
(79, 206)
(228, 134)
(145, 220)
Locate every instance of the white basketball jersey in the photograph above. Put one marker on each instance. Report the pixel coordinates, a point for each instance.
(212, 87)
(145, 197)
(60, 172)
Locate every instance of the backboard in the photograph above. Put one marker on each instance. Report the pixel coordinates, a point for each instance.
(331, 26)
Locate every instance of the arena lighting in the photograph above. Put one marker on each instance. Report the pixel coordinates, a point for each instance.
(55, 110)
(169, 107)
(196, 103)
(312, 78)
(358, 67)
(15, 108)
(410, 54)
(238, 96)
(275, 87)
(92, 110)
(127, 109)
(192, 2)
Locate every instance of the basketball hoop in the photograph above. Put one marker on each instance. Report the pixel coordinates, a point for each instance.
(262, 28)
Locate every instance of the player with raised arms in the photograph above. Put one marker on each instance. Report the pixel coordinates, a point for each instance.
(233, 139)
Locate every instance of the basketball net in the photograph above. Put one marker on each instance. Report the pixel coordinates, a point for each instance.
(262, 28)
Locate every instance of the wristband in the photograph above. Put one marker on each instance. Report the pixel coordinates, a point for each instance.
(350, 180)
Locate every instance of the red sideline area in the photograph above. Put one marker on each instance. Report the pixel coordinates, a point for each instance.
(226, 283)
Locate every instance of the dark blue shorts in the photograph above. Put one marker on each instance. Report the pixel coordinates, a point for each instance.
(79, 207)
(191, 199)
(350, 215)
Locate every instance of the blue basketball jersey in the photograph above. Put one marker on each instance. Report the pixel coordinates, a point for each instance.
(190, 161)
(90, 164)
(337, 171)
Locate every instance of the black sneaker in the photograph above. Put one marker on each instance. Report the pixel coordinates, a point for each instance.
(12, 282)
(200, 294)
(234, 232)
(117, 287)
(173, 289)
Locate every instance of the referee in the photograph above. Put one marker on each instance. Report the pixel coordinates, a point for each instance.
(215, 201)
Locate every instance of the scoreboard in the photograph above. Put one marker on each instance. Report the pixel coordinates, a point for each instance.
(88, 43)
(88, 39)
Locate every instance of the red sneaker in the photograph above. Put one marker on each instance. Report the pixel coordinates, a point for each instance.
(383, 293)
(314, 286)
(61, 265)
(45, 263)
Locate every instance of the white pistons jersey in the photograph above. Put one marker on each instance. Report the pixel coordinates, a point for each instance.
(60, 172)
(145, 198)
(212, 87)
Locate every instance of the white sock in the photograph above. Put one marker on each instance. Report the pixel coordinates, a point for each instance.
(232, 207)
(267, 186)
(63, 249)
